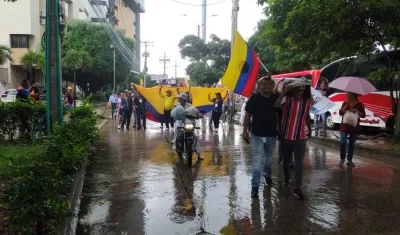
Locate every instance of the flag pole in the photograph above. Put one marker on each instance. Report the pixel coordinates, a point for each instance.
(263, 65)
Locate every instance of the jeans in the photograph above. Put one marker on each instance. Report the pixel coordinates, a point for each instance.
(343, 145)
(68, 106)
(215, 116)
(262, 147)
(140, 117)
(113, 108)
(124, 114)
(168, 119)
(316, 119)
(298, 148)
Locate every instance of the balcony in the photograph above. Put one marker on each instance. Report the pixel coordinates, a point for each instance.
(137, 6)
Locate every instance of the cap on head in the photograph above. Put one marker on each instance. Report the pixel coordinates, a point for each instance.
(169, 91)
(183, 96)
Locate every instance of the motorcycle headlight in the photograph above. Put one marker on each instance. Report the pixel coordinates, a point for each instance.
(188, 126)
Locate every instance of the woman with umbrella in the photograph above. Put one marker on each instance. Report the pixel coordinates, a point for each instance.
(351, 111)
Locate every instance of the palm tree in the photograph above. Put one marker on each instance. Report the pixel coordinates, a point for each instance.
(32, 61)
(5, 54)
(76, 60)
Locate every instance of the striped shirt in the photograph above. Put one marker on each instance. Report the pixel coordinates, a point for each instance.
(294, 118)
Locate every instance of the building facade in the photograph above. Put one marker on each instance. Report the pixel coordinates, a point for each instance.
(21, 29)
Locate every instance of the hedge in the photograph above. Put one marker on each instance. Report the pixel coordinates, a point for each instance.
(35, 192)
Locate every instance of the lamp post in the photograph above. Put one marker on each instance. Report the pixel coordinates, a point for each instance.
(113, 47)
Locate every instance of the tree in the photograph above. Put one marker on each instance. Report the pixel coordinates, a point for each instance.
(31, 61)
(85, 38)
(209, 60)
(5, 54)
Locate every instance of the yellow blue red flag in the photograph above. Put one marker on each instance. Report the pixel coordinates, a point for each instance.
(155, 103)
(242, 71)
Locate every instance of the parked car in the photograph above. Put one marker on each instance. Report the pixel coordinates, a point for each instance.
(9, 96)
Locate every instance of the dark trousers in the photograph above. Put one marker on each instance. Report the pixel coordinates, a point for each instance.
(140, 117)
(128, 118)
(298, 149)
(124, 114)
(215, 117)
(167, 119)
(113, 108)
(343, 145)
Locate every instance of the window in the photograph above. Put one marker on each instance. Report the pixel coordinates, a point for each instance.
(19, 41)
(98, 20)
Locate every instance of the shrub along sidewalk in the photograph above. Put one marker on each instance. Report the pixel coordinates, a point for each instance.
(37, 180)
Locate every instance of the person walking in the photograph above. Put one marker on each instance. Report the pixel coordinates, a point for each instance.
(260, 108)
(69, 100)
(124, 110)
(129, 99)
(351, 111)
(140, 107)
(169, 102)
(295, 118)
(217, 109)
(325, 91)
(114, 102)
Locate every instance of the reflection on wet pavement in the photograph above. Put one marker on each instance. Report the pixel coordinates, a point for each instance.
(136, 185)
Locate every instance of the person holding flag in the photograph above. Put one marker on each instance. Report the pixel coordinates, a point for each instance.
(169, 102)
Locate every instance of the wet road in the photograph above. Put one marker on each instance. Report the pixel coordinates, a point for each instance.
(136, 185)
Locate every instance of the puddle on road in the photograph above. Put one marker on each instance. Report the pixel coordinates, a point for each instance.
(137, 188)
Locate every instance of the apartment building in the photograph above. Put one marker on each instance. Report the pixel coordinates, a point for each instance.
(22, 28)
(126, 17)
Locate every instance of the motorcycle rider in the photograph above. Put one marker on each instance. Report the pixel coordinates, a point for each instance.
(190, 110)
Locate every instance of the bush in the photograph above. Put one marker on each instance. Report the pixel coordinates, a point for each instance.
(36, 193)
(26, 117)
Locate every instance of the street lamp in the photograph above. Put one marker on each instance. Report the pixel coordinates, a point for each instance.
(113, 47)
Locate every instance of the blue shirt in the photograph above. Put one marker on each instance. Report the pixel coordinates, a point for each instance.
(113, 99)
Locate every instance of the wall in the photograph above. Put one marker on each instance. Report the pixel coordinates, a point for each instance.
(126, 19)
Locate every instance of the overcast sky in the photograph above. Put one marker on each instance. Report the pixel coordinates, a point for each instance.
(164, 24)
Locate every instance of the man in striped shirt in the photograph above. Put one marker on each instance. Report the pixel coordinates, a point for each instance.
(295, 118)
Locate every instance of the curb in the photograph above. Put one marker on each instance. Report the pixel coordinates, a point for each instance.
(362, 147)
(70, 224)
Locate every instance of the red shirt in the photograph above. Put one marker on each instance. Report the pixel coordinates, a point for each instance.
(347, 128)
(294, 117)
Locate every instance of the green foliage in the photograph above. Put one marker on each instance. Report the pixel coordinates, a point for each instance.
(5, 54)
(32, 59)
(307, 34)
(209, 61)
(36, 191)
(89, 44)
(383, 77)
(29, 115)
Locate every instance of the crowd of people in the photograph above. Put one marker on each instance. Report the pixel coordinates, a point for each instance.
(270, 115)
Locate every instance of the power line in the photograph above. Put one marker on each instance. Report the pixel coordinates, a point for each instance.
(197, 5)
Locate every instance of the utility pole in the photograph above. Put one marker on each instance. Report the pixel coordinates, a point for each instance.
(204, 20)
(176, 69)
(146, 54)
(198, 30)
(165, 60)
(235, 11)
(54, 19)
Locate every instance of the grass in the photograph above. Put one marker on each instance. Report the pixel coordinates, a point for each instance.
(23, 152)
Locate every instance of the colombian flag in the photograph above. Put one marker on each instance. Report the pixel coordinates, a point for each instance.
(155, 103)
(242, 71)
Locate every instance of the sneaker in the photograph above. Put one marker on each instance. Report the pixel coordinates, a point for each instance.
(286, 183)
(299, 194)
(350, 163)
(279, 161)
(134, 126)
(254, 192)
(341, 162)
(119, 126)
(268, 181)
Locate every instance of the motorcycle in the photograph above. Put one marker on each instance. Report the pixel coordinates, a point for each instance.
(185, 142)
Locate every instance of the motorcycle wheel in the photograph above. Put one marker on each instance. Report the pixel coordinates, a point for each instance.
(189, 150)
